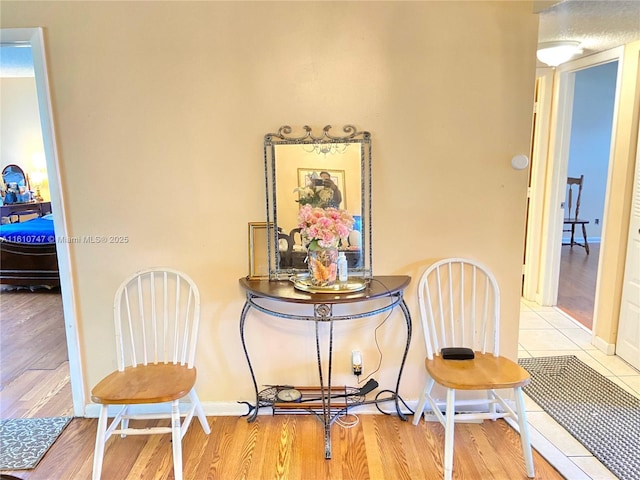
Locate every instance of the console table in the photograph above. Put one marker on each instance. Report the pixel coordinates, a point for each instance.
(378, 288)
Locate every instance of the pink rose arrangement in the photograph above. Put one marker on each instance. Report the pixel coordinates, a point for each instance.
(324, 227)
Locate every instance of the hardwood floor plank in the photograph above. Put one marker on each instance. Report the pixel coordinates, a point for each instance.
(34, 368)
(394, 461)
(380, 447)
(577, 283)
(352, 450)
(423, 453)
(32, 328)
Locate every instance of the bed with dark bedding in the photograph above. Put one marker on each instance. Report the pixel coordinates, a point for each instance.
(28, 254)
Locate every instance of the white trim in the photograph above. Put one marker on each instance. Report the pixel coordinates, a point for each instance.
(555, 180)
(35, 37)
(219, 409)
(603, 346)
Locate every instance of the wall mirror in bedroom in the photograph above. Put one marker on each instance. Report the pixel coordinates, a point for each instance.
(15, 187)
(325, 169)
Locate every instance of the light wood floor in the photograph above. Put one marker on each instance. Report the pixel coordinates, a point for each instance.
(35, 383)
(34, 368)
(291, 447)
(577, 284)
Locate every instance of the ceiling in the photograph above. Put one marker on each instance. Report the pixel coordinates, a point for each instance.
(598, 24)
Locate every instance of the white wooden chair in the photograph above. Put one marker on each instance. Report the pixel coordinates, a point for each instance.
(157, 315)
(459, 303)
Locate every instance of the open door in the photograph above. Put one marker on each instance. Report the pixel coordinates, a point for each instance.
(628, 341)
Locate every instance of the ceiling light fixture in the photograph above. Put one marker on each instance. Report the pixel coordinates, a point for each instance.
(326, 148)
(556, 53)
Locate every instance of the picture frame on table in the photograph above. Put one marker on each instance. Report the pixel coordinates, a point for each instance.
(258, 252)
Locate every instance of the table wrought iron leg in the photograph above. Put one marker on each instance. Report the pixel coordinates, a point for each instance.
(407, 317)
(323, 313)
(253, 413)
(327, 425)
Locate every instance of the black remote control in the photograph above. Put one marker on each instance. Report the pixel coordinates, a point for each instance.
(457, 353)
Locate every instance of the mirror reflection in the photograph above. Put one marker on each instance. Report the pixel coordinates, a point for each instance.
(14, 185)
(326, 171)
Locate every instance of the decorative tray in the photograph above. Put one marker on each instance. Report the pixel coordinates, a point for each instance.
(303, 282)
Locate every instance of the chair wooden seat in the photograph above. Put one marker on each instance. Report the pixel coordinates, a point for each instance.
(484, 372)
(155, 383)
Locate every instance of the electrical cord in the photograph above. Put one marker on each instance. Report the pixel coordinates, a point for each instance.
(375, 336)
(411, 412)
(346, 423)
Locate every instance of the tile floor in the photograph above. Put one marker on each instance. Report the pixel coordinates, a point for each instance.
(547, 331)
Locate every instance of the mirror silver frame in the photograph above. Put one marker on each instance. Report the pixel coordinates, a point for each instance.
(285, 136)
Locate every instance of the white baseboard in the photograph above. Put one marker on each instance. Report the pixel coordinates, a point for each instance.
(235, 409)
(213, 409)
(600, 344)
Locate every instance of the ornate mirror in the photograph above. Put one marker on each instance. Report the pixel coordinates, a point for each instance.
(324, 170)
(15, 184)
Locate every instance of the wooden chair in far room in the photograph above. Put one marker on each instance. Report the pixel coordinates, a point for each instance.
(284, 249)
(459, 302)
(572, 218)
(157, 315)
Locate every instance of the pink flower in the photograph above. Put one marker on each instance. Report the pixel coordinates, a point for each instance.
(324, 226)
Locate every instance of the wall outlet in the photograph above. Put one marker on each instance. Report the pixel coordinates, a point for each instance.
(356, 362)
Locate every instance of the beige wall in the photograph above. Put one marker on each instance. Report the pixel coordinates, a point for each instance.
(161, 108)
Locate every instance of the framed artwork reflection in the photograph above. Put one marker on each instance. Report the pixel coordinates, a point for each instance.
(258, 256)
(314, 178)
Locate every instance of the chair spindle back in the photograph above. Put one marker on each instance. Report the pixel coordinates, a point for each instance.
(459, 303)
(157, 316)
(574, 182)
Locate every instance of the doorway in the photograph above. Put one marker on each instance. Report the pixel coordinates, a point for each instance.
(34, 38)
(35, 372)
(589, 151)
(550, 167)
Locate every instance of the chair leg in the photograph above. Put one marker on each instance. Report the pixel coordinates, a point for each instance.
(176, 440)
(573, 233)
(584, 236)
(524, 432)
(422, 402)
(193, 396)
(125, 422)
(98, 453)
(448, 434)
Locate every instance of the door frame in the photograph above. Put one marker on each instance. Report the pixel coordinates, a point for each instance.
(539, 153)
(549, 195)
(35, 38)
